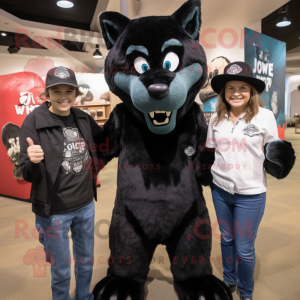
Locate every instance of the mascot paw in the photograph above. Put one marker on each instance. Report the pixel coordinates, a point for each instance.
(203, 288)
(280, 158)
(117, 288)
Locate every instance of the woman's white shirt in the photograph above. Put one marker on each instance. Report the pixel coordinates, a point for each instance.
(238, 166)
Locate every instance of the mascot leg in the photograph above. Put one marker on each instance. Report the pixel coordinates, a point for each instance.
(190, 263)
(128, 264)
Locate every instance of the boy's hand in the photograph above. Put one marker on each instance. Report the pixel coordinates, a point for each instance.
(35, 152)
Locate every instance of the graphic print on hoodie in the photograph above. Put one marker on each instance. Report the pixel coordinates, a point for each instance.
(74, 184)
(75, 152)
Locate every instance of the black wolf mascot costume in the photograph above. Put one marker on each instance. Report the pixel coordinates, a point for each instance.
(156, 66)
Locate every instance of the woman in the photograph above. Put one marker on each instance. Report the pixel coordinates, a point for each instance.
(56, 159)
(238, 131)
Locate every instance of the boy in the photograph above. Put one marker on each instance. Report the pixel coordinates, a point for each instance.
(55, 158)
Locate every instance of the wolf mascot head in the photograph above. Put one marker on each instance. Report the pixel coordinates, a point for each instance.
(155, 64)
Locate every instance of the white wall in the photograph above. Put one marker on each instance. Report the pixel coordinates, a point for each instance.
(217, 16)
(12, 63)
(293, 95)
(225, 40)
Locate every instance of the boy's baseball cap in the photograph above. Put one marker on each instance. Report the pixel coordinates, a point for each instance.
(61, 75)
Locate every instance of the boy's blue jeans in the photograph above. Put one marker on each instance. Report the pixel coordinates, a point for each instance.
(53, 234)
(239, 217)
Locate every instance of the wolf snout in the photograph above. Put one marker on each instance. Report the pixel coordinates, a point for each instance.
(158, 91)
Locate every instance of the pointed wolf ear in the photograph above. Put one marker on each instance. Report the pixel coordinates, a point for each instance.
(112, 25)
(189, 17)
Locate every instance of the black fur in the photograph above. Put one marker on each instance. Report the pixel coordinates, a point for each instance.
(279, 158)
(207, 286)
(120, 287)
(181, 14)
(159, 194)
(157, 76)
(151, 32)
(119, 20)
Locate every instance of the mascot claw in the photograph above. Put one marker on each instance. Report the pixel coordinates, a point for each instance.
(204, 288)
(117, 288)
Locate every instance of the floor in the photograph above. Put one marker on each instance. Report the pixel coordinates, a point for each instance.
(277, 273)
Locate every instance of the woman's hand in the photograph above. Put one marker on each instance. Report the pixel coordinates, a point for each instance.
(35, 152)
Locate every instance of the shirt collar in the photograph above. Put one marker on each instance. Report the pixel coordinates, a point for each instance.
(239, 116)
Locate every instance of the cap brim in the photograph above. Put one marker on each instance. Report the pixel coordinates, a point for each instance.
(67, 83)
(219, 81)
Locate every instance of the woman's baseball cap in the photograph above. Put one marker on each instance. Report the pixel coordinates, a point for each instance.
(237, 71)
(61, 75)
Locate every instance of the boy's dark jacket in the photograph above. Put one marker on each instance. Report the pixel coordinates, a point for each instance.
(41, 127)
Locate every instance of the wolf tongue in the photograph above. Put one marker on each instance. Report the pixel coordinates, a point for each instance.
(160, 117)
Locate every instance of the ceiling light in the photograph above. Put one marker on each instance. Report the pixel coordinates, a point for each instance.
(97, 53)
(3, 34)
(283, 19)
(65, 4)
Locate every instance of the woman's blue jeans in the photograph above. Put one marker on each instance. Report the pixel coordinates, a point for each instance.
(239, 217)
(53, 234)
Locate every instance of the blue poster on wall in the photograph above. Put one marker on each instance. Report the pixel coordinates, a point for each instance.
(267, 58)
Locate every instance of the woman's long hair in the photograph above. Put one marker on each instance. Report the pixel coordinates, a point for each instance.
(223, 107)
